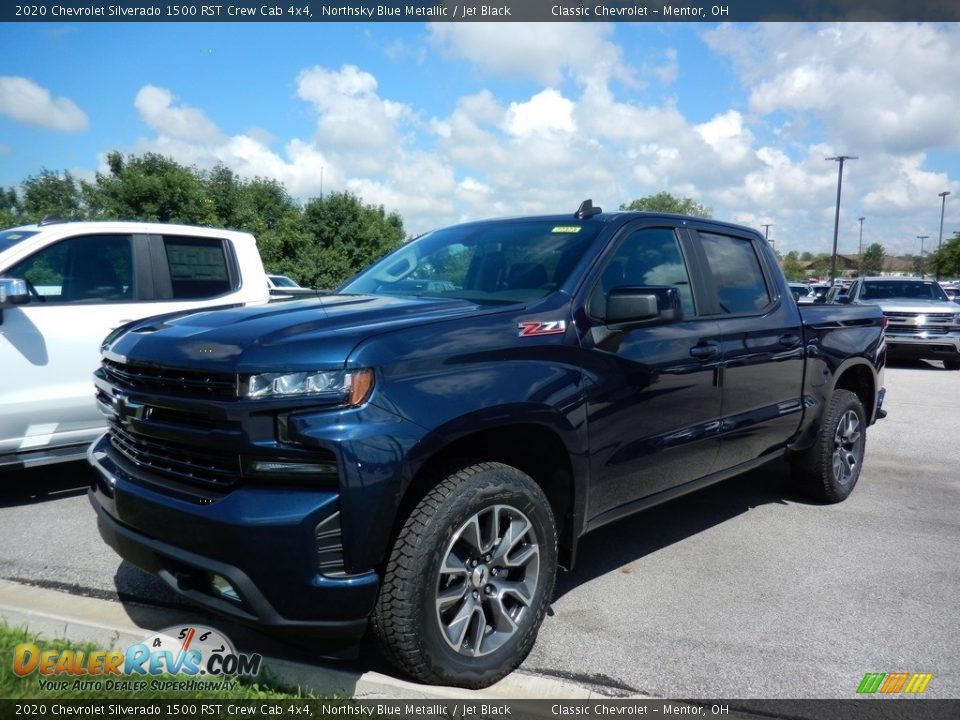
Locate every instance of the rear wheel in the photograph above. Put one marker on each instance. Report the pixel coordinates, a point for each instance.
(469, 579)
(829, 470)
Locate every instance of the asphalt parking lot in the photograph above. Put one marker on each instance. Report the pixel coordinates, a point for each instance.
(743, 590)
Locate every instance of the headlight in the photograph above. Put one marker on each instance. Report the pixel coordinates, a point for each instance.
(349, 388)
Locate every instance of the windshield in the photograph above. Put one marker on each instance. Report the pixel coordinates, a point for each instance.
(902, 289)
(490, 263)
(9, 238)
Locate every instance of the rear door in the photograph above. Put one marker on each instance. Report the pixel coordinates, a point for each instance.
(762, 340)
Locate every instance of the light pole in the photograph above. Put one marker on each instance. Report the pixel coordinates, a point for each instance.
(860, 250)
(836, 219)
(766, 232)
(943, 205)
(921, 238)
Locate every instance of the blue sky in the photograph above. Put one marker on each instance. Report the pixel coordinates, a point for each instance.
(450, 122)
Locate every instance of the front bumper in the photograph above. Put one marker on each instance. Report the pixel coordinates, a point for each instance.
(923, 346)
(262, 542)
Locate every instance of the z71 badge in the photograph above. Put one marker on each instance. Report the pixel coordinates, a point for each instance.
(537, 327)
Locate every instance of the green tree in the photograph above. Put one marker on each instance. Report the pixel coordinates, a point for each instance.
(9, 208)
(50, 193)
(151, 188)
(665, 202)
(872, 261)
(947, 258)
(918, 263)
(263, 207)
(792, 267)
(346, 236)
(820, 265)
(321, 244)
(806, 256)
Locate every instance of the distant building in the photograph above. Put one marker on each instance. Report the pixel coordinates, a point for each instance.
(897, 267)
(848, 266)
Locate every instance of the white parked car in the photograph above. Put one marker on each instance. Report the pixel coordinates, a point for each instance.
(804, 293)
(65, 285)
(284, 288)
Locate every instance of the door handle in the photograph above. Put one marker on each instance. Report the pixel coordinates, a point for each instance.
(789, 340)
(703, 351)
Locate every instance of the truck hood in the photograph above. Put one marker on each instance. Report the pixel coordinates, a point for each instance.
(314, 334)
(916, 305)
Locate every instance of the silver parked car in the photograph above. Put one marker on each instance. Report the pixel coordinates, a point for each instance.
(923, 323)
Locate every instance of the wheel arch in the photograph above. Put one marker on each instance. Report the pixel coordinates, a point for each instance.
(860, 379)
(535, 448)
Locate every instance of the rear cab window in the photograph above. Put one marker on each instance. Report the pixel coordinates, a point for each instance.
(199, 268)
(742, 287)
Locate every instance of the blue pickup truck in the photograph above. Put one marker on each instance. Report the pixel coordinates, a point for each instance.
(421, 450)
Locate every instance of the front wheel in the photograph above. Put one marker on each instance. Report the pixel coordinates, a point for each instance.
(831, 467)
(469, 579)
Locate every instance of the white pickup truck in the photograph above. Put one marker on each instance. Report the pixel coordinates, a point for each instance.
(65, 285)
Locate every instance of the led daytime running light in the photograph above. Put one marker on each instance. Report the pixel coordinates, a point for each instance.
(356, 385)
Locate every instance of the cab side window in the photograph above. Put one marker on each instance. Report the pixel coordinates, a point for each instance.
(86, 269)
(737, 274)
(649, 256)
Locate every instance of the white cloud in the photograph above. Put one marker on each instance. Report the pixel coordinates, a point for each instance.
(544, 52)
(874, 86)
(351, 114)
(29, 103)
(157, 108)
(757, 158)
(727, 136)
(547, 111)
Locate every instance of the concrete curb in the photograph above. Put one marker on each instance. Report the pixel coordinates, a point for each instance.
(107, 624)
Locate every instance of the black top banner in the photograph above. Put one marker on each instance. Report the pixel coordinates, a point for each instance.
(487, 11)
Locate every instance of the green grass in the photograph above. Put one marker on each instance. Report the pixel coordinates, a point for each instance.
(30, 686)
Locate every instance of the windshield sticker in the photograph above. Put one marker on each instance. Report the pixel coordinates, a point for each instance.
(566, 229)
(530, 328)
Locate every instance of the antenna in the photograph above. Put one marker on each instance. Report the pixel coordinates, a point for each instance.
(587, 210)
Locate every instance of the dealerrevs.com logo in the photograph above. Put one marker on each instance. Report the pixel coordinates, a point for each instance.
(894, 683)
(188, 658)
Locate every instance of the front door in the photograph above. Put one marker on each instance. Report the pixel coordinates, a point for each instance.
(653, 394)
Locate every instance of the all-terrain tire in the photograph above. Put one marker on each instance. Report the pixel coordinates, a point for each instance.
(830, 468)
(469, 579)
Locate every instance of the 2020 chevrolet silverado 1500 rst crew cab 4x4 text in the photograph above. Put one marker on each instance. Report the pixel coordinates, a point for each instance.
(422, 449)
(65, 285)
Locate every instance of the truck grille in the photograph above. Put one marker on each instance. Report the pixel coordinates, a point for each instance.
(192, 383)
(192, 465)
(911, 323)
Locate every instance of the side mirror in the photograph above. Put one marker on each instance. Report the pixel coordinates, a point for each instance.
(843, 299)
(643, 305)
(796, 295)
(13, 291)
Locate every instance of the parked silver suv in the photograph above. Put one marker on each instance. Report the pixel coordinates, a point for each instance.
(922, 321)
